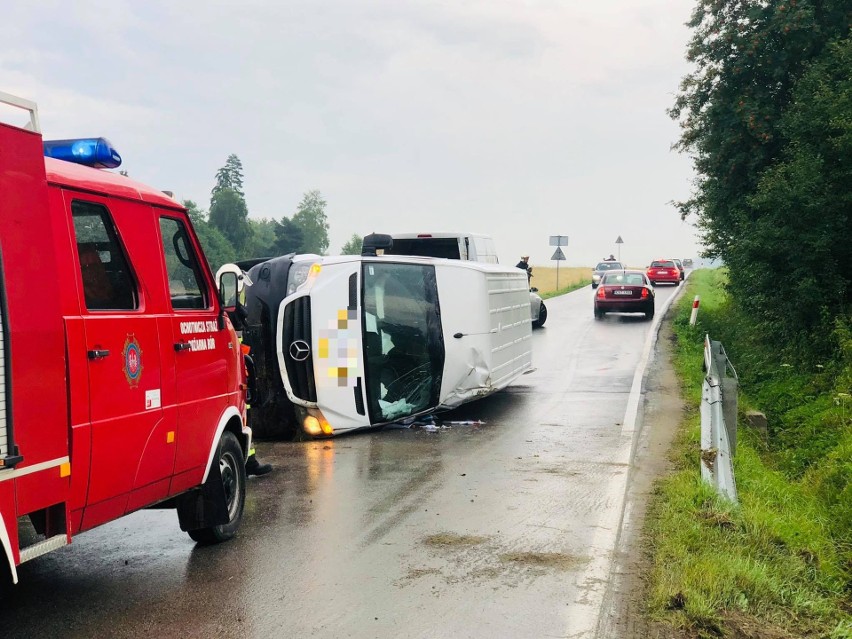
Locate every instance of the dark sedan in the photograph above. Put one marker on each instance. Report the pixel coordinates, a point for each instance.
(624, 292)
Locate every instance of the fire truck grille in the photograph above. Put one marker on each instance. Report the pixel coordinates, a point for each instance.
(298, 349)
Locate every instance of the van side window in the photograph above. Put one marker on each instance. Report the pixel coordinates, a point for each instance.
(107, 282)
(186, 285)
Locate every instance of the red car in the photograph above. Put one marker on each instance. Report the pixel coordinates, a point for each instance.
(624, 292)
(663, 271)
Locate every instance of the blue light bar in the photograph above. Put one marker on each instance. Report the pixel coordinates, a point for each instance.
(94, 152)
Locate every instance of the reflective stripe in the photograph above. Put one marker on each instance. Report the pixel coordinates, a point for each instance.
(11, 473)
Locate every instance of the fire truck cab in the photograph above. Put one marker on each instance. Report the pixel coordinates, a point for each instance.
(122, 383)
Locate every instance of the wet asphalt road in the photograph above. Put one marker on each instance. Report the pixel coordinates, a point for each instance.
(499, 530)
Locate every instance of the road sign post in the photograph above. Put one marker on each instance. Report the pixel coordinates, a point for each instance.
(558, 241)
(619, 241)
(559, 256)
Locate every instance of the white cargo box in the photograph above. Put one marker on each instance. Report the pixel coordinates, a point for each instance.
(366, 341)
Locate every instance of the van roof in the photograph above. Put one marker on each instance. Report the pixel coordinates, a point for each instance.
(440, 236)
(84, 178)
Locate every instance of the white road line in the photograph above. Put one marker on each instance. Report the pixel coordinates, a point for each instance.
(593, 582)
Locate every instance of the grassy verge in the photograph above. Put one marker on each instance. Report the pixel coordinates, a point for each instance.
(780, 563)
(546, 295)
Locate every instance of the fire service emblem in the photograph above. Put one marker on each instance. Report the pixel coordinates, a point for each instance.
(132, 360)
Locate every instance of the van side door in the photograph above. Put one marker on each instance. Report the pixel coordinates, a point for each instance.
(131, 447)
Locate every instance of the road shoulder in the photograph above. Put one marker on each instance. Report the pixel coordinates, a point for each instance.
(623, 615)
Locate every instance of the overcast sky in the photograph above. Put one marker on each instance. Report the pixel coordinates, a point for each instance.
(517, 118)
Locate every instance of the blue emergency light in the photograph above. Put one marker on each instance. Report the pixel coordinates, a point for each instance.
(95, 152)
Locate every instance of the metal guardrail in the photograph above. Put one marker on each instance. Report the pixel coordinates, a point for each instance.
(719, 419)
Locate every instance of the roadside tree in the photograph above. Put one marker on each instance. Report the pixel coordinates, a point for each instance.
(311, 219)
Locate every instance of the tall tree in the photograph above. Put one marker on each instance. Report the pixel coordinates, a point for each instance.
(310, 218)
(217, 249)
(353, 246)
(230, 176)
(749, 57)
(288, 237)
(229, 214)
(262, 238)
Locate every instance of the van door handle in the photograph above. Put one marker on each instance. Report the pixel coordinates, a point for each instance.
(98, 353)
(182, 346)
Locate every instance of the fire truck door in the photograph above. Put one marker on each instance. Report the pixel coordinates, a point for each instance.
(201, 370)
(131, 443)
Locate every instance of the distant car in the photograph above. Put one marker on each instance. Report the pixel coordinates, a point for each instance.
(663, 271)
(687, 261)
(679, 265)
(624, 292)
(603, 267)
(538, 310)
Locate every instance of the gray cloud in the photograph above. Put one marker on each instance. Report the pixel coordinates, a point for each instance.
(519, 119)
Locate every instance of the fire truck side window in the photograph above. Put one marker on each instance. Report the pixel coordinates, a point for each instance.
(186, 285)
(107, 282)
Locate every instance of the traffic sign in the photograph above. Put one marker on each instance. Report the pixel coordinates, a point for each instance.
(558, 255)
(619, 240)
(558, 240)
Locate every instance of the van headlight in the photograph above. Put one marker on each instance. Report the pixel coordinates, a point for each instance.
(315, 424)
(300, 273)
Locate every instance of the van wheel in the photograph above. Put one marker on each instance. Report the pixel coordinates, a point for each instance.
(542, 316)
(232, 467)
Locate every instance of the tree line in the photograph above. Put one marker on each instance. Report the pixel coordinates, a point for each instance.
(228, 234)
(767, 116)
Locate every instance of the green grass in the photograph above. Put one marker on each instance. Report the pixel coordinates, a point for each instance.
(573, 287)
(783, 556)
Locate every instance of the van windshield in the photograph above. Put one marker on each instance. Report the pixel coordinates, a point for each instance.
(403, 341)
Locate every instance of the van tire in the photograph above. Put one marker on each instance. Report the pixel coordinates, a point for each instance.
(542, 316)
(232, 467)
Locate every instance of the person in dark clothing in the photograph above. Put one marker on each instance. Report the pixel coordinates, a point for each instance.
(254, 467)
(525, 265)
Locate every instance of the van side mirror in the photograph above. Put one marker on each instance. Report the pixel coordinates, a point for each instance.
(231, 284)
(374, 242)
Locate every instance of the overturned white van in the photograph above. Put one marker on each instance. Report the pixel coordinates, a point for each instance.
(364, 341)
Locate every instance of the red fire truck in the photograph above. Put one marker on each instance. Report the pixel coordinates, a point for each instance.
(122, 383)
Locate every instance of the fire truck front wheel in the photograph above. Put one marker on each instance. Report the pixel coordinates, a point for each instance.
(232, 469)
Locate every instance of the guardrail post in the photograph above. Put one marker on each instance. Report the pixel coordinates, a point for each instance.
(694, 316)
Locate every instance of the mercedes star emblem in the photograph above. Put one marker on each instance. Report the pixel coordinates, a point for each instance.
(299, 350)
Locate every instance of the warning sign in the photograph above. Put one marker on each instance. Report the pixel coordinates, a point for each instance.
(558, 255)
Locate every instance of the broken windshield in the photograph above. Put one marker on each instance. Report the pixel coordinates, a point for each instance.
(403, 342)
